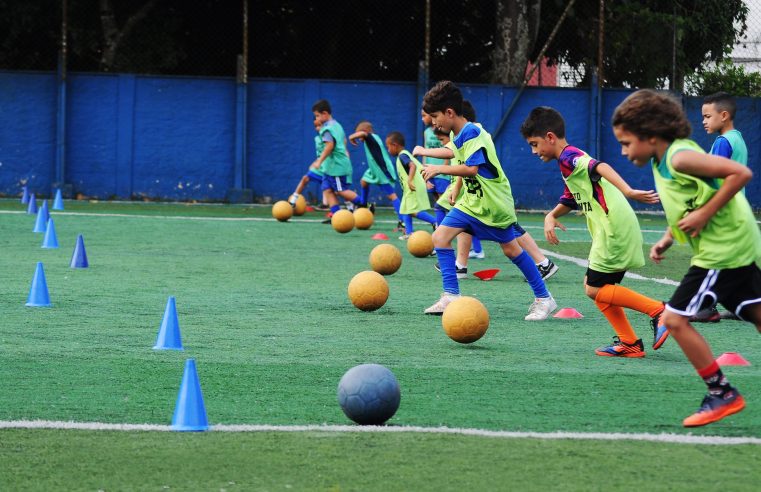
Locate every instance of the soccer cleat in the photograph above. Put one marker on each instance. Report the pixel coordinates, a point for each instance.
(372, 208)
(716, 408)
(621, 349)
(292, 199)
(404, 237)
(351, 207)
(328, 218)
(461, 272)
(399, 226)
(710, 315)
(660, 332)
(480, 255)
(541, 308)
(547, 271)
(437, 309)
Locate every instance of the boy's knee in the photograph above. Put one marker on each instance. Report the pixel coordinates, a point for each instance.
(591, 292)
(512, 249)
(673, 321)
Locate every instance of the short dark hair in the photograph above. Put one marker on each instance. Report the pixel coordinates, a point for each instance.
(723, 101)
(442, 96)
(396, 137)
(541, 120)
(322, 106)
(647, 113)
(468, 111)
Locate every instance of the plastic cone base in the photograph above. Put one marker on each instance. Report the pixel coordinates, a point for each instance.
(380, 237)
(732, 359)
(486, 274)
(568, 313)
(309, 208)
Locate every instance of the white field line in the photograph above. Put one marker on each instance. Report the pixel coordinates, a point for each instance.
(599, 436)
(583, 264)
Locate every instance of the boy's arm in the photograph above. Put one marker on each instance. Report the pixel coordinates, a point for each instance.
(329, 146)
(607, 172)
(438, 153)
(664, 243)
(411, 176)
(735, 177)
(551, 222)
(462, 171)
(455, 191)
(359, 134)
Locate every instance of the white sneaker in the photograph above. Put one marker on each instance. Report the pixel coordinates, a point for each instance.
(541, 308)
(350, 206)
(438, 308)
(292, 199)
(480, 255)
(404, 237)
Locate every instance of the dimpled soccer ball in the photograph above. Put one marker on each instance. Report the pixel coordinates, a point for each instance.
(369, 394)
(363, 218)
(465, 320)
(342, 221)
(368, 290)
(301, 206)
(420, 244)
(282, 210)
(385, 259)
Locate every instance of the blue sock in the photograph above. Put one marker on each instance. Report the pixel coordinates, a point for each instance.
(476, 246)
(408, 229)
(363, 194)
(397, 203)
(426, 217)
(448, 270)
(440, 214)
(357, 201)
(529, 270)
(335, 208)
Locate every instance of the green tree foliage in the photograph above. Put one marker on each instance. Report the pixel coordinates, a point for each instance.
(640, 37)
(726, 77)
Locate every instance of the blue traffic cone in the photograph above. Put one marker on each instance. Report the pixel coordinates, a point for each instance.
(58, 201)
(79, 258)
(169, 333)
(38, 293)
(25, 195)
(50, 240)
(41, 224)
(189, 411)
(32, 208)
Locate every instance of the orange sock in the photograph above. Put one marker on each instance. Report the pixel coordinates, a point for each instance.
(618, 320)
(617, 295)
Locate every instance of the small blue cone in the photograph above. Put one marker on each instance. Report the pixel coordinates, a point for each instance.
(25, 196)
(41, 224)
(50, 240)
(79, 258)
(38, 293)
(169, 333)
(58, 201)
(189, 412)
(32, 208)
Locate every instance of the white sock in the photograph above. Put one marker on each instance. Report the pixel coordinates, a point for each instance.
(544, 263)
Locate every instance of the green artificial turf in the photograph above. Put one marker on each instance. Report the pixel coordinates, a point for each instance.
(264, 312)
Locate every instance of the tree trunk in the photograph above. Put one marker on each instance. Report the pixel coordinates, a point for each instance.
(112, 35)
(517, 28)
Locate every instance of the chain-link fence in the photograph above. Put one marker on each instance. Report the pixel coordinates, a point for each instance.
(616, 43)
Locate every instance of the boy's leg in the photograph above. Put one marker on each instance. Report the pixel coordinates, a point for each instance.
(299, 188)
(426, 217)
(441, 212)
(543, 304)
(476, 249)
(364, 189)
(626, 343)
(545, 266)
(442, 243)
(610, 294)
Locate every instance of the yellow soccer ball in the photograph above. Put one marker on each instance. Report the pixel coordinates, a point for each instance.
(282, 210)
(368, 290)
(363, 218)
(420, 244)
(465, 320)
(385, 259)
(342, 221)
(301, 206)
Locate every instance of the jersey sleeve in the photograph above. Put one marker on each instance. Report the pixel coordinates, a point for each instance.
(405, 159)
(327, 136)
(722, 147)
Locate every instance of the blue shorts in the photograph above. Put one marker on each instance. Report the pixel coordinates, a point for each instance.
(440, 185)
(335, 183)
(460, 220)
(314, 176)
(387, 189)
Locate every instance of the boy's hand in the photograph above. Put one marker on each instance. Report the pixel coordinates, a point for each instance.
(411, 184)
(657, 250)
(429, 171)
(429, 185)
(643, 196)
(694, 222)
(315, 165)
(418, 150)
(453, 198)
(550, 224)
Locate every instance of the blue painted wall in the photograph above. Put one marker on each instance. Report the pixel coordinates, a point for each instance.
(173, 138)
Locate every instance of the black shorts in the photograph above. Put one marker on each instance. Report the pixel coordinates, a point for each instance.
(601, 279)
(734, 288)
